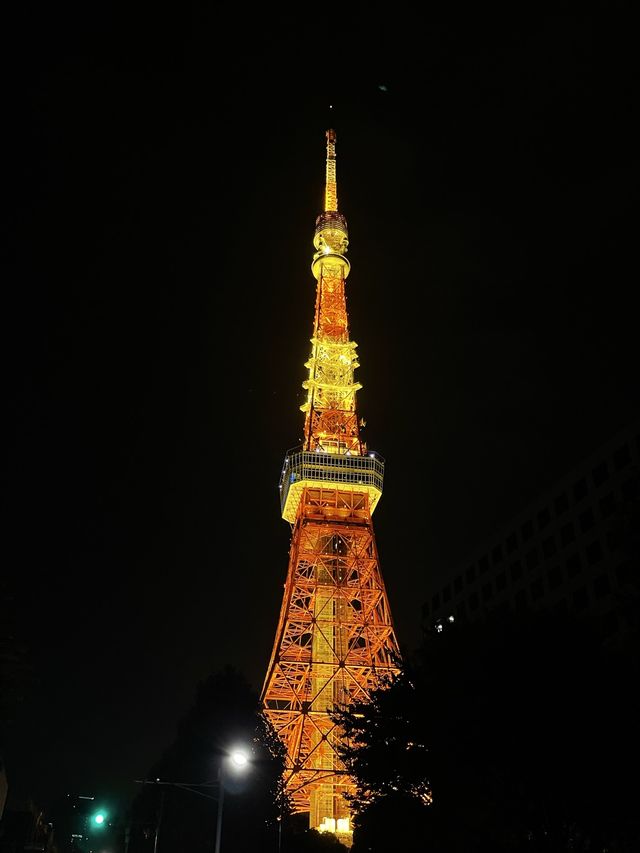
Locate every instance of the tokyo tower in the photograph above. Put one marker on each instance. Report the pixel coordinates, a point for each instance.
(335, 640)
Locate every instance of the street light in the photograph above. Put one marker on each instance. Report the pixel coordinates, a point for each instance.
(239, 758)
(238, 761)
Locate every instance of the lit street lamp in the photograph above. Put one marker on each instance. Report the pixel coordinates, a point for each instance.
(238, 760)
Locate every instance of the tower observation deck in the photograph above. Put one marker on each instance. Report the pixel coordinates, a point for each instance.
(335, 640)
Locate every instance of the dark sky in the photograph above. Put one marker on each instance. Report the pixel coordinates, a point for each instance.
(163, 171)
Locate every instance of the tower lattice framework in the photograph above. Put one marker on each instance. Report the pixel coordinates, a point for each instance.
(335, 639)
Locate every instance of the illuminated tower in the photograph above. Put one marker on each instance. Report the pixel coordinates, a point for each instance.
(335, 639)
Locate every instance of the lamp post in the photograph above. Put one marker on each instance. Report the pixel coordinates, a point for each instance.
(238, 760)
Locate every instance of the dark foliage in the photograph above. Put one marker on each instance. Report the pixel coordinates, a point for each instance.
(225, 715)
(16, 672)
(524, 730)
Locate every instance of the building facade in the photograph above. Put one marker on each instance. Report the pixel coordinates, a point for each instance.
(574, 550)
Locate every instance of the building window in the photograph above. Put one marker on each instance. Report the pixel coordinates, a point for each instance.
(446, 593)
(483, 564)
(527, 531)
(537, 590)
(579, 490)
(533, 558)
(457, 584)
(496, 554)
(600, 473)
(594, 553)
(607, 505)
(573, 565)
(549, 547)
(554, 577)
(487, 592)
(544, 517)
(516, 570)
(622, 457)
(501, 581)
(461, 610)
(601, 586)
(580, 598)
(473, 601)
(471, 574)
(567, 534)
(587, 520)
(512, 543)
(435, 601)
(561, 504)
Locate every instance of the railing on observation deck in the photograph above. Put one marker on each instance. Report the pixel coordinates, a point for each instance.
(336, 469)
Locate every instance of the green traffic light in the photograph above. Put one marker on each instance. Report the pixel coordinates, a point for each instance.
(98, 819)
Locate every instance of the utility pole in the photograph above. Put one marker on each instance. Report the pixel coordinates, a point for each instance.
(238, 759)
(219, 815)
(158, 822)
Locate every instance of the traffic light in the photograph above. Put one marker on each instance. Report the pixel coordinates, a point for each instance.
(98, 819)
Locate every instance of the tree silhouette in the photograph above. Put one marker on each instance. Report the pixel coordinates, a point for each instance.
(17, 676)
(519, 732)
(225, 714)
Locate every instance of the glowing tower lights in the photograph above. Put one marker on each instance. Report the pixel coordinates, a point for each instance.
(335, 640)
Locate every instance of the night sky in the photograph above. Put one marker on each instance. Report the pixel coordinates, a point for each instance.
(163, 169)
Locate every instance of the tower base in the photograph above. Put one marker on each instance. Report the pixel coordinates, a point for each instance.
(329, 811)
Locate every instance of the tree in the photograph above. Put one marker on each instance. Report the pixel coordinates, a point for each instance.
(16, 667)
(385, 752)
(508, 734)
(225, 714)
